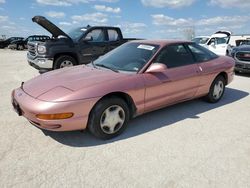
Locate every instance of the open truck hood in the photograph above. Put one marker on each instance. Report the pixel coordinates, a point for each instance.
(49, 26)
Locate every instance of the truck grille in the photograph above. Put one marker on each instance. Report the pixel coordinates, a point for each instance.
(243, 56)
(32, 49)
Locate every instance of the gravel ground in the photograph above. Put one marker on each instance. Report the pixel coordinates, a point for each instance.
(193, 144)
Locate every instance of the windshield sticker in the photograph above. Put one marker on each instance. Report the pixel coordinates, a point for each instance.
(145, 47)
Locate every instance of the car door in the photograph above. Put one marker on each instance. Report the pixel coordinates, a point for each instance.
(91, 50)
(218, 45)
(208, 64)
(180, 81)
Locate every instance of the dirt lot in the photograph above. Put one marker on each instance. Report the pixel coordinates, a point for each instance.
(193, 144)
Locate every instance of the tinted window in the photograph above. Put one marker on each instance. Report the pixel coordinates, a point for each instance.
(175, 56)
(97, 35)
(113, 35)
(200, 53)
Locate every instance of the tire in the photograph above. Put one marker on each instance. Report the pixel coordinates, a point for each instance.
(64, 61)
(19, 47)
(109, 118)
(216, 90)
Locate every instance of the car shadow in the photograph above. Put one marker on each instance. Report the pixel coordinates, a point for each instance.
(150, 121)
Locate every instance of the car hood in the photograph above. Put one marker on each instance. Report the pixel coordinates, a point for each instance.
(242, 48)
(69, 80)
(49, 26)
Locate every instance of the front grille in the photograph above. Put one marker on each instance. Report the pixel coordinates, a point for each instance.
(243, 56)
(242, 66)
(32, 49)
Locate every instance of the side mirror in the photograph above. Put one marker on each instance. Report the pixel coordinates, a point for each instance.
(156, 67)
(87, 39)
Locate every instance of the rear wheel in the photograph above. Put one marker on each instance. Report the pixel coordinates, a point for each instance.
(109, 118)
(216, 90)
(64, 61)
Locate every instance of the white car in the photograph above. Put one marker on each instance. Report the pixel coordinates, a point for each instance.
(222, 42)
(218, 42)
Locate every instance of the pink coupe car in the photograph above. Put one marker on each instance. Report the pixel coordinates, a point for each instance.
(135, 78)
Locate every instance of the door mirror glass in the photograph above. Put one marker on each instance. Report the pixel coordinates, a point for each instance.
(156, 67)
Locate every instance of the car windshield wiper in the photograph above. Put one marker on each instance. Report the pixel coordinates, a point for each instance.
(107, 67)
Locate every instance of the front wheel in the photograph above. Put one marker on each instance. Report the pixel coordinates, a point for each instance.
(64, 61)
(109, 118)
(216, 90)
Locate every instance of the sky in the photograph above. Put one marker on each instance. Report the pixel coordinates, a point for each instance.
(152, 19)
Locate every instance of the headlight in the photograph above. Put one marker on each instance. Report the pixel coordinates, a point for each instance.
(41, 49)
(232, 53)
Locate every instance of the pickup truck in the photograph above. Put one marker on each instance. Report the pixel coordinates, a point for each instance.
(80, 46)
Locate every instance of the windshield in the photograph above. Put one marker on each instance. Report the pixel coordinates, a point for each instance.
(76, 34)
(246, 42)
(222, 40)
(129, 57)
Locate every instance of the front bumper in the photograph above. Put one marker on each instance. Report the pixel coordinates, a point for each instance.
(242, 66)
(29, 107)
(40, 63)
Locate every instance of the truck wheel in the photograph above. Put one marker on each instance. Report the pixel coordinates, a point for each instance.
(109, 118)
(64, 61)
(216, 90)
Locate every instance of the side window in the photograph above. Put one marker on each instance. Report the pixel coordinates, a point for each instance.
(200, 53)
(97, 35)
(212, 41)
(113, 35)
(175, 56)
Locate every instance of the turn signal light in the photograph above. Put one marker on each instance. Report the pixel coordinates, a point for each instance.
(55, 116)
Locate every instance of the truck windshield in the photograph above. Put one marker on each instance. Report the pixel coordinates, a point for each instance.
(129, 57)
(76, 33)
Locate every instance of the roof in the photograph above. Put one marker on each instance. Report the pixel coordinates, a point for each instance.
(162, 42)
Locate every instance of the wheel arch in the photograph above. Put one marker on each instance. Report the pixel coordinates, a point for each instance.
(124, 96)
(71, 54)
(224, 75)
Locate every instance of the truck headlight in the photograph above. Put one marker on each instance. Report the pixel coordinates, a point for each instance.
(41, 49)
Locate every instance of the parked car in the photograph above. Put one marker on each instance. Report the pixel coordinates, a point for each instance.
(23, 44)
(218, 42)
(133, 79)
(5, 43)
(222, 42)
(241, 54)
(79, 46)
(201, 40)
